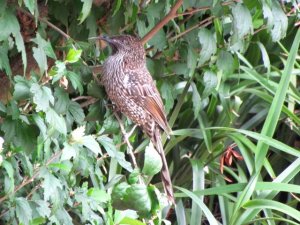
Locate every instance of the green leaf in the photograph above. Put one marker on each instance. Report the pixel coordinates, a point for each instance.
(44, 45)
(208, 45)
(117, 6)
(210, 80)
(10, 25)
(277, 21)
(43, 208)
(130, 221)
(40, 57)
(138, 199)
(75, 81)
(242, 21)
(4, 61)
(225, 62)
(211, 219)
(68, 152)
(114, 153)
(30, 4)
(56, 121)
(62, 104)
(77, 112)
(10, 171)
(73, 55)
(196, 100)
(52, 186)
(167, 95)
(98, 194)
(23, 211)
(90, 142)
(22, 88)
(42, 97)
(265, 203)
(152, 163)
(86, 8)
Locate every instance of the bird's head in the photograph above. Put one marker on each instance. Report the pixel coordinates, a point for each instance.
(125, 44)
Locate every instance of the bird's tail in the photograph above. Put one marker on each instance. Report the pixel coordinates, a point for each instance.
(165, 175)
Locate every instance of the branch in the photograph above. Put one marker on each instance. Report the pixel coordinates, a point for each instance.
(171, 15)
(28, 180)
(203, 23)
(126, 138)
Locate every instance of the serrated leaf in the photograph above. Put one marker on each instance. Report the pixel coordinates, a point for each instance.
(98, 194)
(30, 4)
(208, 45)
(21, 48)
(42, 97)
(225, 62)
(265, 56)
(51, 184)
(75, 81)
(114, 153)
(196, 100)
(242, 21)
(73, 55)
(22, 88)
(192, 60)
(76, 111)
(62, 104)
(4, 61)
(56, 121)
(43, 208)
(152, 162)
(23, 211)
(277, 21)
(167, 95)
(10, 171)
(45, 46)
(10, 25)
(210, 80)
(86, 8)
(41, 59)
(117, 6)
(68, 152)
(57, 71)
(90, 142)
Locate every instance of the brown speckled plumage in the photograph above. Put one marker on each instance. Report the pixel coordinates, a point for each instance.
(131, 88)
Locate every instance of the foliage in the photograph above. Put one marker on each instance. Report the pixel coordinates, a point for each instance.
(227, 72)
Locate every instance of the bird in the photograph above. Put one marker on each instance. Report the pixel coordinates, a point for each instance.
(131, 88)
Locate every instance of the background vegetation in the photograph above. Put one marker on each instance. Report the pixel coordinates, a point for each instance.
(228, 73)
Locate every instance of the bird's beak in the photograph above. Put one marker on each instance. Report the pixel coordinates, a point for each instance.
(101, 37)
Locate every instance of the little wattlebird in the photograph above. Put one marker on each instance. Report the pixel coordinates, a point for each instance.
(130, 87)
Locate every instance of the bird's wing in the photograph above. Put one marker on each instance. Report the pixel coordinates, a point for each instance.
(145, 94)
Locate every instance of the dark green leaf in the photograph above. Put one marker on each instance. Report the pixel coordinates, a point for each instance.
(42, 97)
(86, 8)
(208, 45)
(98, 195)
(77, 112)
(152, 163)
(56, 121)
(23, 211)
(112, 151)
(75, 81)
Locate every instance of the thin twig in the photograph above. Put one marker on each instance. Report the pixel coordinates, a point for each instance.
(203, 23)
(28, 180)
(171, 15)
(126, 138)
